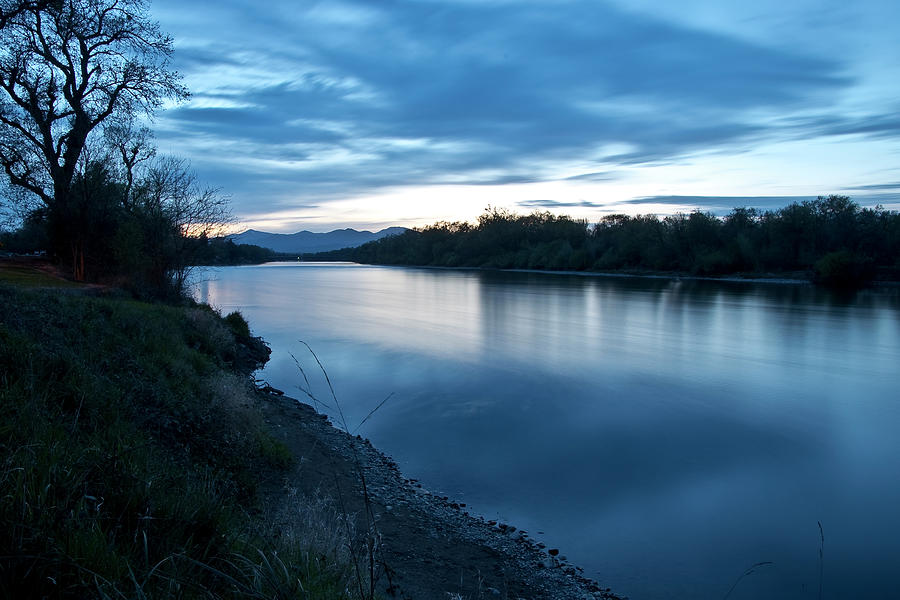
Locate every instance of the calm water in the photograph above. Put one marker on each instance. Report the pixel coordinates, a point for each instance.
(666, 435)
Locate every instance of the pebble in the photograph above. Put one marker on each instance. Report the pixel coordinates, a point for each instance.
(448, 521)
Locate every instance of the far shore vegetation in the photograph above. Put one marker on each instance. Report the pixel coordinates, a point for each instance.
(831, 240)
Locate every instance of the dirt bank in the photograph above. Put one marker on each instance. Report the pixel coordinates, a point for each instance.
(427, 547)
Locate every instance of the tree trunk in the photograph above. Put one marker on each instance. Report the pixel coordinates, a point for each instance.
(78, 260)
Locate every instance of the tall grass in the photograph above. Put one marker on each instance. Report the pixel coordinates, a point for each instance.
(364, 551)
(131, 454)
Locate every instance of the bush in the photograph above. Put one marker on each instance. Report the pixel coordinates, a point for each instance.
(843, 269)
(238, 324)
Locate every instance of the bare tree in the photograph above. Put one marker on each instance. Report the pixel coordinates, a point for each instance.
(12, 8)
(66, 67)
(189, 213)
(128, 146)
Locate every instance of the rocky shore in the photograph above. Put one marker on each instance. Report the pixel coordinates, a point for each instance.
(414, 544)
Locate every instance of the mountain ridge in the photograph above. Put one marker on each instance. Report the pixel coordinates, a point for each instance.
(305, 241)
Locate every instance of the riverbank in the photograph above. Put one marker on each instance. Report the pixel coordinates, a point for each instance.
(795, 278)
(147, 462)
(798, 278)
(425, 546)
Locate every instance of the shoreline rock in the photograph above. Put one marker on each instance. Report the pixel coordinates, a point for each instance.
(428, 545)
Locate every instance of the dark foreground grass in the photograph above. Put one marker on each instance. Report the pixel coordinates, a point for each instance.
(24, 274)
(130, 456)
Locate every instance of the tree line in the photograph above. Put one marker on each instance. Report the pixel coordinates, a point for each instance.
(831, 240)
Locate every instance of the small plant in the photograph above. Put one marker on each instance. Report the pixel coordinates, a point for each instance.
(238, 324)
(365, 553)
(750, 570)
(753, 568)
(274, 451)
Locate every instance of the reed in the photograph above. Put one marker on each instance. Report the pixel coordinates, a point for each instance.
(366, 555)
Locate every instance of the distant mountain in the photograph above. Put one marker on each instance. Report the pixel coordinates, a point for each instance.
(307, 242)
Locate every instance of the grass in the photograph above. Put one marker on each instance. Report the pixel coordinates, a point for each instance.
(365, 552)
(23, 275)
(131, 453)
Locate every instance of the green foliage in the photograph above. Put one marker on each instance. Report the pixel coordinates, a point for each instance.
(802, 237)
(221, 251)
(238, 324)
(137, 233)
(30, 238)
(274, 451)
(130, 455)
(843, 269)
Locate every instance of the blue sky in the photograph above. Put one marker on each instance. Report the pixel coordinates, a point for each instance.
(318, 115)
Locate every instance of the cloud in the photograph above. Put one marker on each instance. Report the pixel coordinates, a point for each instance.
(718, 204)
(724, 204)
(878, 186)
(884, 125)
(549, 204)
(597, 176)
(418, 93)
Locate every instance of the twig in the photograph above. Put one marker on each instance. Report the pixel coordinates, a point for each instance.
(821, 557)
(745, 573)
(77, 414)
(371, 524)
(330, 387)
(306, 390)
(372, 412)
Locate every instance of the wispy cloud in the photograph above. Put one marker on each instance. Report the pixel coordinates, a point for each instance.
(329, 100)
(877, 186)
(597, 176)
(724, 204)
(554, 204)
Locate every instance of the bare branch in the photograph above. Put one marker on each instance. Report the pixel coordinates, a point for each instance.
(67, 66)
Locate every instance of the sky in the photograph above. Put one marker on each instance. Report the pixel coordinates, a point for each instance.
(327, 114)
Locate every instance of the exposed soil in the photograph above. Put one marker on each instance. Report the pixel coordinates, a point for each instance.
(429, 547)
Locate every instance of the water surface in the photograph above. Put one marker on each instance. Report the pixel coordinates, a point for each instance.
(666, 435)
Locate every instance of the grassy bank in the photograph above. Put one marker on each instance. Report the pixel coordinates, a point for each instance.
(131, 454)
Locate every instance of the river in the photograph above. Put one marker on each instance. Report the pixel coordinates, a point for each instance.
(666, 435)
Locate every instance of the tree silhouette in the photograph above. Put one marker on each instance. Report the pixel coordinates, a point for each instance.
(66, 68)
(831, 240)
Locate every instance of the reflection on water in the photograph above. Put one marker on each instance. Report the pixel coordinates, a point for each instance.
(666, 434)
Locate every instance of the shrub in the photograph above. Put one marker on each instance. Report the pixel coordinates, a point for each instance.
(238, 324)
(843, 269)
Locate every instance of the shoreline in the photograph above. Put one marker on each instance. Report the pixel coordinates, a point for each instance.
(768, 278)
(624, 275)
(429, 546)
(765, 278)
